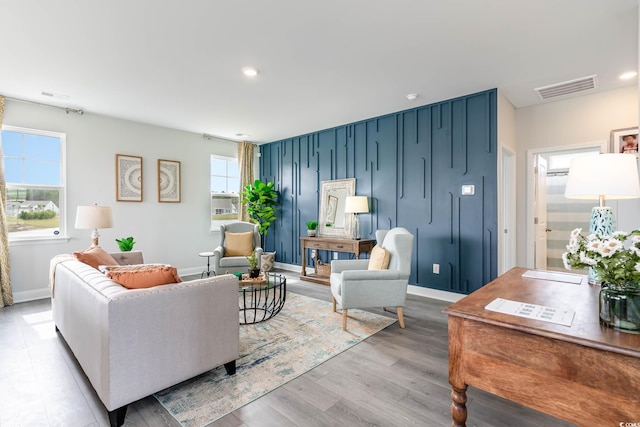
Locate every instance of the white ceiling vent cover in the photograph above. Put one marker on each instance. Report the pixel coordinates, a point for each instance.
(566, 88)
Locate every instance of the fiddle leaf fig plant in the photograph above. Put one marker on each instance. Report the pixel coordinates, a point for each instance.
(126, 244)
(261, 200)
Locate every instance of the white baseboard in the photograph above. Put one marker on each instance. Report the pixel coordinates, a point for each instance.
(412, 289)
(35, 294)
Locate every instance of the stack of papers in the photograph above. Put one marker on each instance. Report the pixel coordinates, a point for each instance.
(561, 316)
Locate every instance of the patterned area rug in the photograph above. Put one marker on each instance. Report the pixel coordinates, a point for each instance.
(303, 335)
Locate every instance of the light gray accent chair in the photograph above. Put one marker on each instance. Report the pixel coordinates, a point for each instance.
(222, 263)
(354, 286)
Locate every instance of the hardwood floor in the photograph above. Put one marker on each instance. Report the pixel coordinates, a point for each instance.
(395, 378)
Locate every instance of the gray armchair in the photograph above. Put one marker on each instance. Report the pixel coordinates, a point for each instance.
(354, 286)
(222, 263)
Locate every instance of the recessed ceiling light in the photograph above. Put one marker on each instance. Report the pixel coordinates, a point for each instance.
(250, 71)
(412, 96)
(242, 135)
(55, 95)
(628, 75)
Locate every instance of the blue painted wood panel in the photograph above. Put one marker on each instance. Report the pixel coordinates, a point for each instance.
(412, 165)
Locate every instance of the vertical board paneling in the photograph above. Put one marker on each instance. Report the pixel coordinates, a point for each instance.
(412, 166)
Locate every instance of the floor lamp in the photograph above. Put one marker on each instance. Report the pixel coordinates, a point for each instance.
(600, 177)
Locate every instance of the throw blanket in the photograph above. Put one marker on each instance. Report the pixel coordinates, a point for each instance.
(52, 269)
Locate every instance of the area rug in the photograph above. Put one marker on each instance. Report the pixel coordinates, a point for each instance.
(303, 335)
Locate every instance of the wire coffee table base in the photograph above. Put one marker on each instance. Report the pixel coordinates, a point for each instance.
(260, 302)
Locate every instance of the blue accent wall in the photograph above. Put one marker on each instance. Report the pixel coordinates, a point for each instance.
(411, 165)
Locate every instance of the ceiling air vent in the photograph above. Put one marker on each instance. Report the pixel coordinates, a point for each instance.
(566, 88)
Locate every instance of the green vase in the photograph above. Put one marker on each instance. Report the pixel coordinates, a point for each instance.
(620, 309)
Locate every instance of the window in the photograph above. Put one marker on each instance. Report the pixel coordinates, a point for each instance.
(225, 184)
(34, 174)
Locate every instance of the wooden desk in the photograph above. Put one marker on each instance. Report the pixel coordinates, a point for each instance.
(331, 244)
(585, 373)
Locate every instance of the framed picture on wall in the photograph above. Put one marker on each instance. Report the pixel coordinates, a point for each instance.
(168, 181)
(128, 178)
(625, 141)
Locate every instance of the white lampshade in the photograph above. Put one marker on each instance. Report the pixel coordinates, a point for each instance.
(93, 217)
(356, 204)
(613, 176)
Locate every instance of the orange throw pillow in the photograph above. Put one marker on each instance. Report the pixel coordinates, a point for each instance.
(95, 257)
(143, 276)
(238, 244)
(379, 259)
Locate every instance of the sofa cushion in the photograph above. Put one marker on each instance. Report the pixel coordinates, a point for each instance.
(143, 276)
(95, 257)
(379, 259)
(238, 244)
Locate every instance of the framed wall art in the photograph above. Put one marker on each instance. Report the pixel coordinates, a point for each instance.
(625, 141)
(128, 178)
(168, 181)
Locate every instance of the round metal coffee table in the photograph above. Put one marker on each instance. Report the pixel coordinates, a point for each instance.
(261, 298)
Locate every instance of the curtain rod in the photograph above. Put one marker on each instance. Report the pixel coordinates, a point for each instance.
(66, 109)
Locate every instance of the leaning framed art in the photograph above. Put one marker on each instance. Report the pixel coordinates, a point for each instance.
(625, 141)
(128, 178)
(168, 181)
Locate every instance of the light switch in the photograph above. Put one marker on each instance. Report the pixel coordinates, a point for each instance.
(468, 190)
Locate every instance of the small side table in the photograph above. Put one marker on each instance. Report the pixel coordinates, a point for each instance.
(208, 271)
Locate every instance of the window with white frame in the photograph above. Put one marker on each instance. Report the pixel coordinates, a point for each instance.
(225, 184)
(34, 176)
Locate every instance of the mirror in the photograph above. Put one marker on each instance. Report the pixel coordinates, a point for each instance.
(332, 221)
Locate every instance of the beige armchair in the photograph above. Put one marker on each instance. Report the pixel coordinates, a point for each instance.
(353, 285)
(231, 258)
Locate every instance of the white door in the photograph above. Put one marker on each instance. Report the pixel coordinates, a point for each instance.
(508, 248)
(540, 213)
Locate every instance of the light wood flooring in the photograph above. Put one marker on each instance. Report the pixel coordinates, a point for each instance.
(394, 378)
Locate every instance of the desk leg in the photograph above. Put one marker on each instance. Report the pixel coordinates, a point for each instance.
(456, 372)
(304, 260)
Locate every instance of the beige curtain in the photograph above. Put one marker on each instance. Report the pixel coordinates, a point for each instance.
(245, 166)
(5, 278)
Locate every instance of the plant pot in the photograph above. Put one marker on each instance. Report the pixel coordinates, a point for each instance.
(267, 260)
(253, 273)
(620, 309)
(311, 233)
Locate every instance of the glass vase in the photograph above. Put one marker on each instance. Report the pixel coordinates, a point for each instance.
(620, 308)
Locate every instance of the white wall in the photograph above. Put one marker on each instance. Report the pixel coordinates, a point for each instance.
(581, 120)
(170, 233)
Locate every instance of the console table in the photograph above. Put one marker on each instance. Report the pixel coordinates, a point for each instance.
(585, 373)
(331, 244)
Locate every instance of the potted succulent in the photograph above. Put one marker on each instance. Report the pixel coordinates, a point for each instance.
(254, 271)
(311, 228)
(125, 244)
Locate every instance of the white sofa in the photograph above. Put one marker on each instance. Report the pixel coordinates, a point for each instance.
(132, 343)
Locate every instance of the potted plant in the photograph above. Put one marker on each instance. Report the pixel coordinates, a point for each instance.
(311, 228)
(617, 266)
(261, 200)
(254, 271)
(125, 244)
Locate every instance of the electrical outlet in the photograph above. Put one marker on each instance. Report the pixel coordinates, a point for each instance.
(436, 268)
(313, 253)
(335, 255)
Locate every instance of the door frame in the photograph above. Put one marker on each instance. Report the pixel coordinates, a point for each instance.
(531, 153)
(507, 219)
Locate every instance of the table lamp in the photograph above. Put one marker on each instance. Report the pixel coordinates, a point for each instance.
(356, 205)
(600, 177)
(92, 218)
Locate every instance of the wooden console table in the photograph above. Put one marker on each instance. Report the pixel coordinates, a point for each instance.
(331, 244)
(585, 373)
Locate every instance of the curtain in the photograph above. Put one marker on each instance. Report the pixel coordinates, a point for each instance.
(5, 278)
(245, 166)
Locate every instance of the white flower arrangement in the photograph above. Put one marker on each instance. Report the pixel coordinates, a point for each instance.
(613, 262)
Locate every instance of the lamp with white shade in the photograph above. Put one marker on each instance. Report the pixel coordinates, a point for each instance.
(92, 218)
(356, 205)
(601, 177)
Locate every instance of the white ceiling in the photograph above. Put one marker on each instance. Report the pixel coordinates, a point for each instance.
(322, 63)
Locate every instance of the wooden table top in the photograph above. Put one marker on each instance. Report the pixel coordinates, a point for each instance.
(583, 298)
